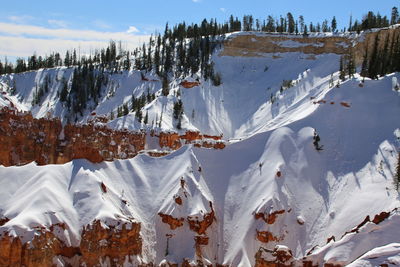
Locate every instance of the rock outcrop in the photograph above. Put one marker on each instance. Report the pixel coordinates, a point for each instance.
(253, 45)
(25, 139)
(100, 243)
(174, 141)
(257, 44)
(188, 84)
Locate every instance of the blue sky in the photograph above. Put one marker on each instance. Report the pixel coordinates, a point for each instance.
(44, 26)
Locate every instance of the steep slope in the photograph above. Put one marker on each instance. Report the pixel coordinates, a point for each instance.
(230, 206)
(238, 108)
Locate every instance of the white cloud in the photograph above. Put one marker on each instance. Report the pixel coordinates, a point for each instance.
(132, 29)
(20, 19)
(23, 40)
(72, 34)
(196, 1)
(12, 46)
(223, 10)
(58, 23)
(101, 24)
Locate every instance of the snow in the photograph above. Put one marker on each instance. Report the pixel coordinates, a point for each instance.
(237, 109)
(329, 191)
(291, 44)
(389, 254)
(355, 166)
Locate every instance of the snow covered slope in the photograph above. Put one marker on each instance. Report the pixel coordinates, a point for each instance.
(240, 107)
(271, 188)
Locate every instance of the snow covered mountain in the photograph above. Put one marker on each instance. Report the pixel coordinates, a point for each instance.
(308, 176)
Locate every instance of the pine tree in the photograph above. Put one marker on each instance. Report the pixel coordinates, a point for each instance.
(351, 23)
(351, 67)
(373, 67)
(395, 16)
(325, 27)
(67, 59)
(139, 115)
(385, 58)
(334, 24)
(270, 27)
(342, 74)
(291, 23)
(165, 86)
(125, 109)
(397, 177)
(364, 65)
(178, 109)
(305, 32)
(146, 118)
(301, 23)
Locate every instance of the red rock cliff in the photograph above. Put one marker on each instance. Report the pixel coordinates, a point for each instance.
(98, 242)
(25, 139)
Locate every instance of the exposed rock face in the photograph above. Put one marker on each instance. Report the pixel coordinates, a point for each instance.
(187, 84)
(251, 45)
(175, 141)
(368, 42)
(266, 237)
(117, 243)
(38, 252)
(25, 139)
(281, 256)
(269, 218)
(200, 226)
(171, 221)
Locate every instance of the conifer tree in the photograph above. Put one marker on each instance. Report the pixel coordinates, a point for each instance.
(290, 22)
(373, 69)
(395, 16)
(397, 177)
(364, 65)
(351, 67)
(146, 118)
(305, 32)
(342, 73)
(301, 23)
(334, 24)
(165, 86)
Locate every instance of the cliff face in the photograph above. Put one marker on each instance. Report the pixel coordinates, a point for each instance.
(100, 243)
(175, 141)
(25, 139)
(253, 45)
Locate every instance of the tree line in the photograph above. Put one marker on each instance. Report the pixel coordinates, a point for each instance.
(187, 48)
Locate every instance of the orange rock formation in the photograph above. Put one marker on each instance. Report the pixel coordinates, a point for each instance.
(46, 141)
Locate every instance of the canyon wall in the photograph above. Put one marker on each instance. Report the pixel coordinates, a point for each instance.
(257, 44)
(112, 244)
(25, 139)
(46, 141)
(250, 45)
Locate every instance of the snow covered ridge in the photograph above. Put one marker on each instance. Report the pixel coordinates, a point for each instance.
(271, 198)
